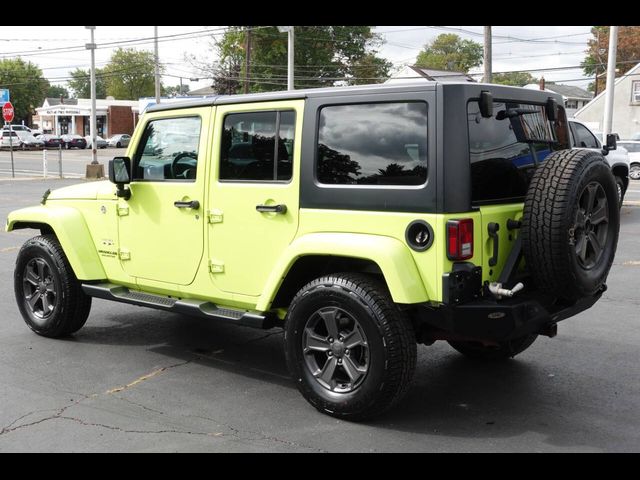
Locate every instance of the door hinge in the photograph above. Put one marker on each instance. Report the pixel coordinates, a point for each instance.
(216, 266)
(214, 216)
(124, 254)
(123, 210)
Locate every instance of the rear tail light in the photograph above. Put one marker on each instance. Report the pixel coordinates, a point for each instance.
(460, 239)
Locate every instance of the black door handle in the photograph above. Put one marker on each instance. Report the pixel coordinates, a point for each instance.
(493, 233)
(271, 208)
(193, 204)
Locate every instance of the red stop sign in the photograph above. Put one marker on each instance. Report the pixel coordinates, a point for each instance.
(7, 112)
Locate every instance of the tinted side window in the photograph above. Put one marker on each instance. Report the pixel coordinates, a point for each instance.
(168, 150)
(373, 144)
(585, 138)
(249, 150)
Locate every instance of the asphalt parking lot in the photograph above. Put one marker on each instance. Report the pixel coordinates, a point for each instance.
(135, 379)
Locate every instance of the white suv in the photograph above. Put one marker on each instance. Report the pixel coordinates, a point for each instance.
(583, 137)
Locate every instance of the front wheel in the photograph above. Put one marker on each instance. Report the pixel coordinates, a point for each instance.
(501, 351)
(48, 294)
(634, 171)
(350, 350)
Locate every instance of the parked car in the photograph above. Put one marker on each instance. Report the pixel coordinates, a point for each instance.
(50, 140)
(363, 221)
(618, 159)
(73, 141)
(17, 128)
(100, 142)
(633, 147)
(15, 141)
(29, 142)
(119, 140)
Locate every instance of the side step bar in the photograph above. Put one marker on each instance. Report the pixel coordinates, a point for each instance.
(196, 308)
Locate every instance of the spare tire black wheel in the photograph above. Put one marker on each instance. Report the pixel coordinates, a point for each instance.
(570, 224)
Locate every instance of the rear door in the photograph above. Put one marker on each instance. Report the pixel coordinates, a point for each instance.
(253, 198)
(502, 164)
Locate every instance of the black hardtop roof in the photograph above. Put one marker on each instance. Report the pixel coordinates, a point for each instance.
(464, 88)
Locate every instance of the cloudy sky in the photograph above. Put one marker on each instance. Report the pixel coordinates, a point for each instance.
(58, 50)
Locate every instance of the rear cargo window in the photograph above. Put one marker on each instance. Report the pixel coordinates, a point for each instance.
(504, 149)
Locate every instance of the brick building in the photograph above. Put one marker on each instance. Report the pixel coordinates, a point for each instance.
(72, 115)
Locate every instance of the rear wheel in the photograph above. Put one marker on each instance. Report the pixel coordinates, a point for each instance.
(502, 351)
(48, 294)
(119, 145)
(349, 348)
(634, 171)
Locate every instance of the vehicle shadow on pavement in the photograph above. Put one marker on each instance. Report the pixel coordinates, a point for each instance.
(239, 350)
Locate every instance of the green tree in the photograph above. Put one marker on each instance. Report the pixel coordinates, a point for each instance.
(80, 83)
(627, 55)
(450, 52)
(517, 79)
(129, 74)
(323, 56)
(56, 91)
(26, 86)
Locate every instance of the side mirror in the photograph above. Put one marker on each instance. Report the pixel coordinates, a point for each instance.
(611, 143)
(120, 174)
(552, 109)
(486, 104)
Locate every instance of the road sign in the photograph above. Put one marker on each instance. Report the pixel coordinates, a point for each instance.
(4, 96)
(7, 112)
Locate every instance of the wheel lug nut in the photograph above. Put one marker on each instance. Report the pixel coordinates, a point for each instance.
(330, 353)
(346, 352)
(330, 339)
(339, 361)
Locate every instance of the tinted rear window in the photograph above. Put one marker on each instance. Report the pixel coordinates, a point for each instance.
(502, 166)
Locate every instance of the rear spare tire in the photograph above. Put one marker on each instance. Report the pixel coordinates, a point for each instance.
(570, 224)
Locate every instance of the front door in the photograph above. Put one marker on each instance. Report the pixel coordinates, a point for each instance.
(254, 191)
(161, 226)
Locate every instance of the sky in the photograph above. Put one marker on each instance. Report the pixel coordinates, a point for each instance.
(514, 48)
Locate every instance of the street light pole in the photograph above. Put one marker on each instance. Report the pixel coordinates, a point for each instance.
(94, 169)
(92, 122)
(290, 54)
(611, 78)
(156, 60)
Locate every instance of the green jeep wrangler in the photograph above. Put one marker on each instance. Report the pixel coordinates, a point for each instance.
(361, 220)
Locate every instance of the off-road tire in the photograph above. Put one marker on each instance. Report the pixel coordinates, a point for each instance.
(72, 305)
(554, 223)
(389, 333)
(502, 351)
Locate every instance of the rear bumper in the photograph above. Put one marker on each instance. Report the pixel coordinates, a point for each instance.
(503, 320)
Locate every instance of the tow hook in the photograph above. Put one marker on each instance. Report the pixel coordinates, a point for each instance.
(497, 291)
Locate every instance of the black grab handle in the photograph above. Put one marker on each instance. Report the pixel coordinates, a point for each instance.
(271, 208)
(493, 233)
(193, 204)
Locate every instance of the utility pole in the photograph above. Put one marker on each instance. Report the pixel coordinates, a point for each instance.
(611, 78)
(487, 55)
(247, 59)
(94, 169)
(157, 62)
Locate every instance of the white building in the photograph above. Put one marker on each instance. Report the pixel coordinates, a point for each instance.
(626, 106)
(72, 115)
(411, 74)
(574, 97)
